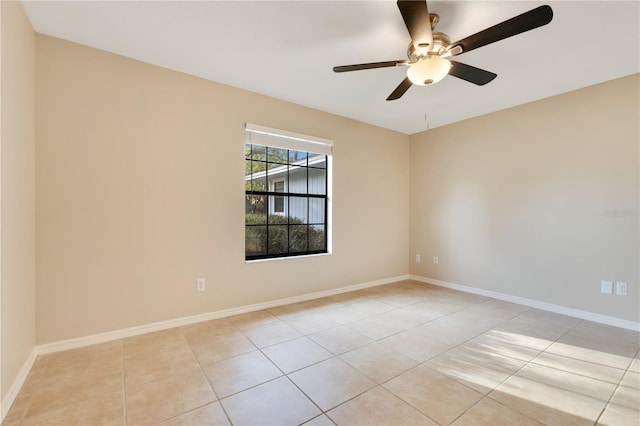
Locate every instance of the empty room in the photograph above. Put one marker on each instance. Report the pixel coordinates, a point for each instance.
(320, 213)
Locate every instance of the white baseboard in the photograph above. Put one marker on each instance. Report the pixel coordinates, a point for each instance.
(12, 393)
(577, 313)
(79, 342)
(64, 345)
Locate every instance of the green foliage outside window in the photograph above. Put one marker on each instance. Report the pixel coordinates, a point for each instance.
(286, 235)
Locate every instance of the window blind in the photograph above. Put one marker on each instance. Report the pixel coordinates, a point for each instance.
(266, 136)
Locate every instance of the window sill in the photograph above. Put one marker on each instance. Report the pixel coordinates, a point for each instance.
(304, 256)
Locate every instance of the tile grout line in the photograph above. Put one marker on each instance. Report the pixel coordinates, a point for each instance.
(326, 413)
(124, 387)
(334, 356)
(529, 362)
(419, 363)
(286, 375)
(618, 386)
(200, 366)
(577, 374)
(24, 414)
(408, 402)
(486, 395)
(283, 374)
(322, 412)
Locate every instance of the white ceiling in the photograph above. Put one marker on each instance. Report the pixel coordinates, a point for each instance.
(286, 49)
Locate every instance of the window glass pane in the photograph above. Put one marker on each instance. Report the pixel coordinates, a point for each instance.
(255, 240)
(256, 167)
(277, 219)
(317, 239)
(318, 161)
(277, 155)
(259, 152)
(278, 205)
(298, 179)
(247, 150)
(278, 181)
(298, 157)
(247, 175)
(298, 210)
(255, 209)
(316, 210)
(277, 169)
(255, 179)
(317, 181)
(278, 239)
(259, 182)
(298, 238)
(279, 202)
(277, 209)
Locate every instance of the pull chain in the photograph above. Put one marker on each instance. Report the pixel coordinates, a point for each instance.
(426, 105)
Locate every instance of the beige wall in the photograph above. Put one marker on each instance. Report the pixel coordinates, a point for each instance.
(17, 331)
(516, 201)
(140, 177)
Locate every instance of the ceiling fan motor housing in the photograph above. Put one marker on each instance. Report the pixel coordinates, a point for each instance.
(440, 43)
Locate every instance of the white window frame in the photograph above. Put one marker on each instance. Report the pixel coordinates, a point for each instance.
(266, 136)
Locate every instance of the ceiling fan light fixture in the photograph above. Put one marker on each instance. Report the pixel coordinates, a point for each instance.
(428, 71)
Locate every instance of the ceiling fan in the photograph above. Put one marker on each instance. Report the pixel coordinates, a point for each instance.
(428, 50)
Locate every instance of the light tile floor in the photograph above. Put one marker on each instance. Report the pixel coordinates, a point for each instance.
(403, 353)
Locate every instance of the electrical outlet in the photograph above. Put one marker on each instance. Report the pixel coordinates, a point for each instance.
(200, 284)
(621, 288)
(435, 260)
(418, 258)
(606, 287)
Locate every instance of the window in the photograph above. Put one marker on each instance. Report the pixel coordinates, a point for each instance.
(286, 194)
(278, 202)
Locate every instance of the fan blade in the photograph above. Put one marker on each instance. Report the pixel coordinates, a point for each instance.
(471, 74)
(519, 24)
(400, 90)
(417, 20)
(372, 65)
